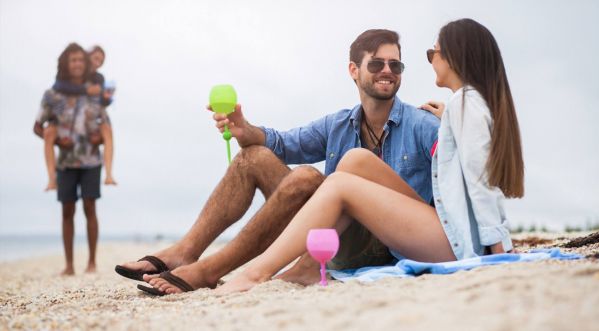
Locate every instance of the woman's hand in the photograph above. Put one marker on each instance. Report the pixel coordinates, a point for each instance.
(434, 107)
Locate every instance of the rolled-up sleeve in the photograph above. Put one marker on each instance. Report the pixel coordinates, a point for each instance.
(305, 144)
(429, 132)
(473, 140)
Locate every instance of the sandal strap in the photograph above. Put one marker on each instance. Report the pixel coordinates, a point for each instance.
(156, 262)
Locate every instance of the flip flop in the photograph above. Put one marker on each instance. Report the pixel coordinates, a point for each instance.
(138, 274)
(169, 277)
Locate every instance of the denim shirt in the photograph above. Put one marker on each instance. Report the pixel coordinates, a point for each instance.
(409, 135)
(471, 212)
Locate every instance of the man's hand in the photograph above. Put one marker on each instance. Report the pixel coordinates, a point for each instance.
(235, 121)
(109, 181)
(93, 90)
(434, 107)
(245, 133)
(65, 143)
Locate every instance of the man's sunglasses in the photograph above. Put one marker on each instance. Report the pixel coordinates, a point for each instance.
(430, 53)
(376, 65)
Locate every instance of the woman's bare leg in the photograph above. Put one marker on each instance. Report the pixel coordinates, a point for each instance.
(363, 163)
(404, 224)
(50, 134)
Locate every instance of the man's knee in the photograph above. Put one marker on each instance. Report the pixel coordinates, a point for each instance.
(303, 180)
(355, 159)
(254, 160)
(253, 154)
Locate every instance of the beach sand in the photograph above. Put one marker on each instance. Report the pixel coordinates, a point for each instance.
(549, 295)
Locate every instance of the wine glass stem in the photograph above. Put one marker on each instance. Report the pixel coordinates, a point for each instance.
(323, 274)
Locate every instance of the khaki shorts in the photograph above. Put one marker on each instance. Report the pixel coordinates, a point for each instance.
(359, 248)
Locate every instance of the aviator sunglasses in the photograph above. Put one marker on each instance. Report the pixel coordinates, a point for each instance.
(377, 65)
(430, 53)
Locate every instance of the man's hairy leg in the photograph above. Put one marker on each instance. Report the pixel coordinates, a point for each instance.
(254, 167)
(264, 227)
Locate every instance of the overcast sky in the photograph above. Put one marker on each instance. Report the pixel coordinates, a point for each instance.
(288, 62)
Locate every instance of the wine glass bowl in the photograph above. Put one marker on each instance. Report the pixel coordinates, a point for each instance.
(322, 244)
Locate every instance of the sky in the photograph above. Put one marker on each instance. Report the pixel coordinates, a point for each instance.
(288, 62)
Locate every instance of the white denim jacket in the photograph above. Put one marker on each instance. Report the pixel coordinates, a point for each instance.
(471, 212)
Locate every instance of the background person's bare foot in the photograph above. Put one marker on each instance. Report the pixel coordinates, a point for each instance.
(91, 268)
(68, 271)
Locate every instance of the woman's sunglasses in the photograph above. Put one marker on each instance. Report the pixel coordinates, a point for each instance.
(376, 65)
(430, 53)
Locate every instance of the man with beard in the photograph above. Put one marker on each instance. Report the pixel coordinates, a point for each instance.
(400, 134)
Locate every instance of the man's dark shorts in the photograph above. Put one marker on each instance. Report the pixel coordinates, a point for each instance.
(359, 248)
(70, 179)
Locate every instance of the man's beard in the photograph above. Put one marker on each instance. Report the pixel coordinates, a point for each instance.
(371, 91)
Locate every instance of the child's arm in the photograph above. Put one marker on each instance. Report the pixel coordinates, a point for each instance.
(106, 132)
(66, 87)
(50, 134)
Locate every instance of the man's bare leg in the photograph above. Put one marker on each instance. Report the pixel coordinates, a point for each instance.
(255, 167)
(89, 207)
(291, 194)
(68, 230)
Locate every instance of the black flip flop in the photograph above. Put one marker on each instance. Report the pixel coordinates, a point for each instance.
(138, 274)
(169, 277)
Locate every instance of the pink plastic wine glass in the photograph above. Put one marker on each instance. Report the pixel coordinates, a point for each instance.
(322, 245)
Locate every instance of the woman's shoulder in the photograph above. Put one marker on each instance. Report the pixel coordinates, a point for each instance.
(468, 97)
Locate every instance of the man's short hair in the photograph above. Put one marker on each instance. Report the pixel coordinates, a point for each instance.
(370, 41)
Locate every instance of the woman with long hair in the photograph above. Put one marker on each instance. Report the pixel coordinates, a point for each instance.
(477, 163)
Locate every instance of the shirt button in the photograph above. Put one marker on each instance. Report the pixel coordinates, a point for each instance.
(435, 175)
(332, 155)
(405, 157)
(444, 221)
(438, 200)
(455, 244)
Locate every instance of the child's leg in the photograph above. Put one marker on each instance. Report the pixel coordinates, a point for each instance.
(106, 132)
(50, 134)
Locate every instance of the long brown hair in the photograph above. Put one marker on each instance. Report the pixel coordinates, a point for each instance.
(63, 61)
(472, 52)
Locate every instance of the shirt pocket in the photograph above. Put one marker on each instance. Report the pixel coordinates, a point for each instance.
(446, 148)
(412, 163)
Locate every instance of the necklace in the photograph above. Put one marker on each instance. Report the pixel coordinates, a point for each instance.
(375, 140)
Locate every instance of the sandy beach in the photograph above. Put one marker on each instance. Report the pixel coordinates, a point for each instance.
(549, 295)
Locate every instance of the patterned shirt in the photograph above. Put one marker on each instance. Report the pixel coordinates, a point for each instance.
(76, 117)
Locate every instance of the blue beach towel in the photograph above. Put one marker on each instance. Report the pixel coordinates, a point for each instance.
(411, 268)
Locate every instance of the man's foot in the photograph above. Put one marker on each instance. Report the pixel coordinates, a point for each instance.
(68, 271)
(305, 272)
(91, 268)
(173, 257)
(194, 274)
